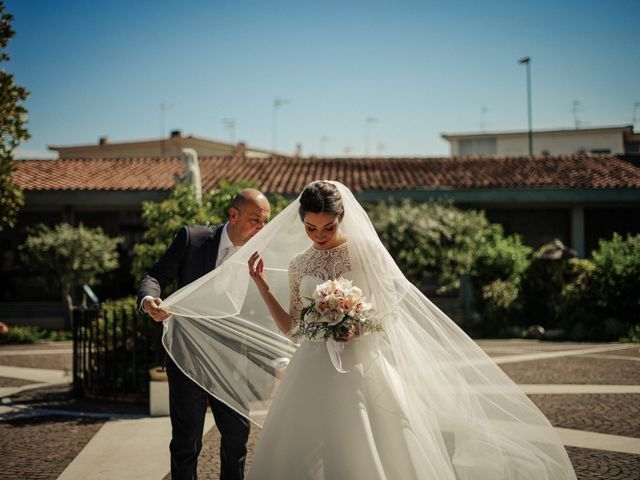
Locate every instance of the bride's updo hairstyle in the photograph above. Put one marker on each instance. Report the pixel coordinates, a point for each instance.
(321, 197)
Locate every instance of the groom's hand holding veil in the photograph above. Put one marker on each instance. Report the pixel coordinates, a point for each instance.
(150, 305)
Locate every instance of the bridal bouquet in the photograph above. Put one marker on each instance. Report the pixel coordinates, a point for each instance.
(335, 308)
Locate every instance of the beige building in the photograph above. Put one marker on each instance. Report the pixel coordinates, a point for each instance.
(614, 140)
(162, 147)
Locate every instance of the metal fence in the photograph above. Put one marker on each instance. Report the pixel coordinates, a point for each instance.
(111, 352)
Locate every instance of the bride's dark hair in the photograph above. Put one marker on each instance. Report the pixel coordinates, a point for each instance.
(321, 196)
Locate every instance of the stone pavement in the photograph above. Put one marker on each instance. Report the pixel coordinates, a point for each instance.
(589, 392)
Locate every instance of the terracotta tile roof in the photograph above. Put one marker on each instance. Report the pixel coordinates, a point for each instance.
(289, 175)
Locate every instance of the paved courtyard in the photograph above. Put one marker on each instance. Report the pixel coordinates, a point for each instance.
(589, 392)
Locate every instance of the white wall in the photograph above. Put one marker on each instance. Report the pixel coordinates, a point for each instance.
(554, 143)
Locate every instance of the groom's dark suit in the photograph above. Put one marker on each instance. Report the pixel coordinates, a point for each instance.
(192, 254)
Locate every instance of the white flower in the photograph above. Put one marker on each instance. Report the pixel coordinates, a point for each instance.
(336, 304)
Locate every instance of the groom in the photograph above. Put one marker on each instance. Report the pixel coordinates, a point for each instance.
(195, 251)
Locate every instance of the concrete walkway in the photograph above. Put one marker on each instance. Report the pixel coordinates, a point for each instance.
(527, 357)
(40, 377)
(126, 450)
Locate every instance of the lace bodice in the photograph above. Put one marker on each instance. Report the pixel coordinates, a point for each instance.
(311, 268)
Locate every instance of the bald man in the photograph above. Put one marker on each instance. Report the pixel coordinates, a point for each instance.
(206, 247)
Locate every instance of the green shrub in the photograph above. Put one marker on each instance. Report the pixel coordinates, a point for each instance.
(633, 336)
(576, 309)
(30, 334)
(616, 277)
(600, 299)
(543, 283)
(430, 240)
(441, 242)
(497, 272)
(67, 255)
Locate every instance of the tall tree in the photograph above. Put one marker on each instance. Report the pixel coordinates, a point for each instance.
(13, 119)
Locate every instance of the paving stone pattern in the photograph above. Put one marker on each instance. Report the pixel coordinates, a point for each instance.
(13, 382)
(575, 370)
(588, 464)
(209, 459)
(617, 414)
(42, 447)
(61, 397)
(630, 352)
(599, 464)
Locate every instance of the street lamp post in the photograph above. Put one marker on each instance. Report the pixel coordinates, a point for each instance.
(527, 62)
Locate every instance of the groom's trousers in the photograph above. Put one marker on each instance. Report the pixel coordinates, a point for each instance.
(188, 406)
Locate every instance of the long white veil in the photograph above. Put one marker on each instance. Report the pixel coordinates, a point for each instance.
(222, 336)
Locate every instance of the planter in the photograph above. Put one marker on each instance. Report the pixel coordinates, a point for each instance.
(158, 374)
(158, 392)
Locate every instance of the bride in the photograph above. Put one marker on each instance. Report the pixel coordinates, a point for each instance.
(417, 400)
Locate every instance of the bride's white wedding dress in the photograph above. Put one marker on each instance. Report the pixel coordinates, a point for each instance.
(329, 425)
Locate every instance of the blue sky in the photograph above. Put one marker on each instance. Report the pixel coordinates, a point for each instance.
(419, 68)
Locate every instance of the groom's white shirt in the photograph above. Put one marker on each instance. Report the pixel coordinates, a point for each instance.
(225, 249)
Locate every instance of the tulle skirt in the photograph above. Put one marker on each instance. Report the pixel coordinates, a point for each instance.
(324, 424)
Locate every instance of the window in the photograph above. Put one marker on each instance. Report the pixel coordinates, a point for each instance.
(478, 146)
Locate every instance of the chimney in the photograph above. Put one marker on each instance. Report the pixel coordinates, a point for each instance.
(103, 140)
(176, 133)
(240, 150)
(298, 153)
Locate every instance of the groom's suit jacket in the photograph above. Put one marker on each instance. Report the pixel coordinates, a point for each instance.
(192, 254)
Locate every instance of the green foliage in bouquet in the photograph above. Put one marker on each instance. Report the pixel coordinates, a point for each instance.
(316, 330)
(68, 255)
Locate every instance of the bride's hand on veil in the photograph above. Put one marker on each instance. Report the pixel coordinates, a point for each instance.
(256, 272)
(279, 314)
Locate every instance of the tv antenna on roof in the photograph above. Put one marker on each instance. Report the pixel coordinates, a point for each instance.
(230, 124)
(575, 109)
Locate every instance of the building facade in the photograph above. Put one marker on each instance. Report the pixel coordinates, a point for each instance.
(601, 140)
(160, 147)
